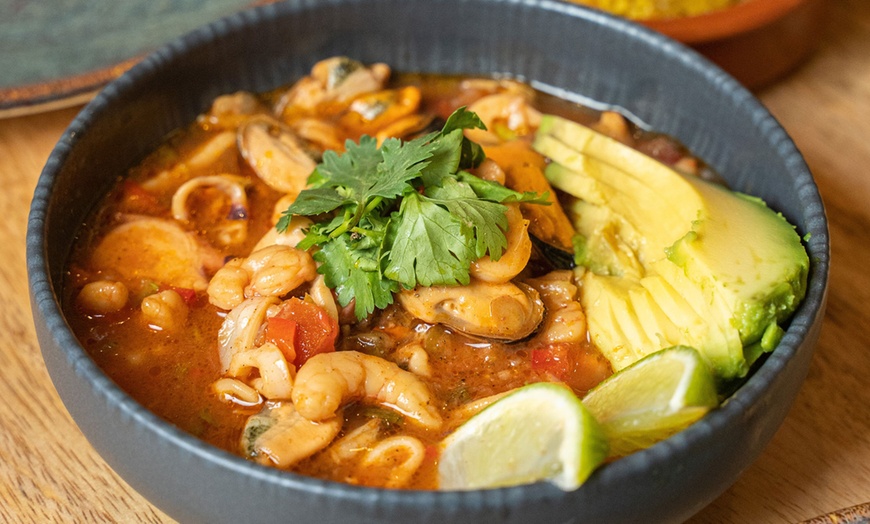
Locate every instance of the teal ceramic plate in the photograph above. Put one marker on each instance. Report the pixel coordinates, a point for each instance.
(59, 53)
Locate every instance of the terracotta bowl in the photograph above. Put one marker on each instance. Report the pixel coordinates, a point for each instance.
(757, 41)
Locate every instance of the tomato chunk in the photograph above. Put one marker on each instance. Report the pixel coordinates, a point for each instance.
(302, 329)
(138, 199)
(187, 294)
(579, 367)
(281, 331)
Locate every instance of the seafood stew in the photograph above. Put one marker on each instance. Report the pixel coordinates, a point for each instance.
(197, 291)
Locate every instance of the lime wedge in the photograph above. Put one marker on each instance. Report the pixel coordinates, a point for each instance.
(653, 398)
(537, 432)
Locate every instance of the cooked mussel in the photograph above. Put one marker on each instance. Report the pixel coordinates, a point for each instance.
(505, 311)
(276, 154)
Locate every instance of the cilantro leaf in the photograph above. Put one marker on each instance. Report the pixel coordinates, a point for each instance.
(486, 218)
(471, 154)
(354, 276)
(403, 214)
(498, 193)
(402, 162)
(462, 118)
(315, 201)
(352, 170)
(430, 246)
(446, 156)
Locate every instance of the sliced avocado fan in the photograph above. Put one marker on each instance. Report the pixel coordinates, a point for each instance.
(672, 259)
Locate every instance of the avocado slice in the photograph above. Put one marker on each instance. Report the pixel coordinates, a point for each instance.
(604, 241)
(672, 259)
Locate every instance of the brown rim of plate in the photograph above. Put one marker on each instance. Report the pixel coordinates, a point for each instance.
(59, 93)
(740, 18)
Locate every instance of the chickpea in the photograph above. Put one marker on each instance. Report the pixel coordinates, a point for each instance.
(165, 310)
(490, 170)
(103, 296)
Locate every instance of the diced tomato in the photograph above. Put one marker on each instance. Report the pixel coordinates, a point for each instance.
(552, 359)
(281, 331)
(315, 330)
(137, 198)
(575, 365)
(187, 294)
(135, 190)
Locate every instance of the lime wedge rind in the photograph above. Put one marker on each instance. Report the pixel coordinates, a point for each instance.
(540, 432)
(654, 398)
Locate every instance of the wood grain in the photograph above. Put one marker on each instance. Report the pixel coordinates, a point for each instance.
(48, 471)
(818, 462)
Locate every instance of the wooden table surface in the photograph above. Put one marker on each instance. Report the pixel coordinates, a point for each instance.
(819, 460)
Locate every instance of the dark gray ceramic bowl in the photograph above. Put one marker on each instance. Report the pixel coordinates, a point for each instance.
(558, 47)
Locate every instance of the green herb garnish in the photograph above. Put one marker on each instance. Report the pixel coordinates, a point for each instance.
(403, 214)
(388, 416)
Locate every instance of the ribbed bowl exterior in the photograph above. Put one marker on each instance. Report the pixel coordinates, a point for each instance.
(558, 47)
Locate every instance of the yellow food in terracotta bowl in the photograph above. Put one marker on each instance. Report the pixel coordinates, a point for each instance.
(654, 9)
(756, 41)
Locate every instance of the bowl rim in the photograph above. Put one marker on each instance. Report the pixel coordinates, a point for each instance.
(724, 23)
(47, 302)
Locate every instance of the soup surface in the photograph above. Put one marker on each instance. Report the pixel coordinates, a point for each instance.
(184, 291)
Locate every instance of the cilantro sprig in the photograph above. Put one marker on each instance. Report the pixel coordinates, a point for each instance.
(404, 214)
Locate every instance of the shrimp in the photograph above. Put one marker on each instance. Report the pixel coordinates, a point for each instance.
(277, 270)
(294, 233)
(565, 320)
(615, 126)
(516, 254)
(329, 380)
(272, 271)
(226, 289)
